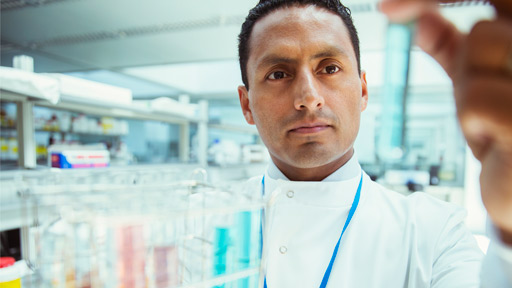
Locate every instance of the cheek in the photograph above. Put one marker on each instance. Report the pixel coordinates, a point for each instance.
(344, 106)
(261, 113)
(268, 117)
(268, 107)
(351, 96)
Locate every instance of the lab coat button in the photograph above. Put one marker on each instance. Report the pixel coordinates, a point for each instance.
(290, 194)
(283, 249)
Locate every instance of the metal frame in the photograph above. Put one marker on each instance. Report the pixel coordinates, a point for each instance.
(25, 123)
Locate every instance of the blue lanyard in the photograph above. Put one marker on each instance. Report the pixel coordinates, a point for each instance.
(327, 273)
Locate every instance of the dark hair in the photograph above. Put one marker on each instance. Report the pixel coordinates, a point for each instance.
(265, 7)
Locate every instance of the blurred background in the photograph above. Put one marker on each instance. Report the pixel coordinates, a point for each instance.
(151, 84)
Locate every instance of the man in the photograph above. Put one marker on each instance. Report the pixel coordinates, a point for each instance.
(304, 90)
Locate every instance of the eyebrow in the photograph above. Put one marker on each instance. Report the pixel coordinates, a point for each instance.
(274, 59)
(331, 51)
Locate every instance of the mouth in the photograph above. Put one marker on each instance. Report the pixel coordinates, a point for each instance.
(309, 128)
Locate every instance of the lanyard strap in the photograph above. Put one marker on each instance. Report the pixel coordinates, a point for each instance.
(262, 218)
(353, 208)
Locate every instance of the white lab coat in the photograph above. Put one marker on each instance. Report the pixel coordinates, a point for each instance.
(392, 240)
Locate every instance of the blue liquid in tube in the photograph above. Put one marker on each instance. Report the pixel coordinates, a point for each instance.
(243, 245)
(396, 75)
(221, 245)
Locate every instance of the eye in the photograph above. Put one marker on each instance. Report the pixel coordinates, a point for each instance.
(277, 75)
(331, 69)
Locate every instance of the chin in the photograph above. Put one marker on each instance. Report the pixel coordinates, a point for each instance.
(313, 158)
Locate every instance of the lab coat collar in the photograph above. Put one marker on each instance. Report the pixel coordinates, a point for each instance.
(350, 170)
(337, 190)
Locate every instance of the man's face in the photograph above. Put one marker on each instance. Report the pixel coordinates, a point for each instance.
(305, 93)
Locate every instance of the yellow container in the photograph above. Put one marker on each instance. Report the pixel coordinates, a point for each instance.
(9, 273)
(11, 284)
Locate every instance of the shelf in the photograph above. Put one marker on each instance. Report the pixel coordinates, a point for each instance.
(74, 94)
(10, 129)
(99, 108)
(19, 85)
(116, 110)
(80, 133)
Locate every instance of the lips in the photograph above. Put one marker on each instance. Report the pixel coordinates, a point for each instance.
(305, 128)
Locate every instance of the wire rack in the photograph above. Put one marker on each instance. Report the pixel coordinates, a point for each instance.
(164, 228)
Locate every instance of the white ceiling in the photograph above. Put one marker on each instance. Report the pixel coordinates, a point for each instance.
(166, 47)
(99, 34)
(198, 78)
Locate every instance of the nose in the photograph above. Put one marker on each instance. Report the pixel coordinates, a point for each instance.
(307, 96)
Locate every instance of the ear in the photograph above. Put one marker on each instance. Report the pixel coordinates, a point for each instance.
(364, 91)
(243, 95)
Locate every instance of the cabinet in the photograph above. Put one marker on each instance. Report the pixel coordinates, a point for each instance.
(65, 93)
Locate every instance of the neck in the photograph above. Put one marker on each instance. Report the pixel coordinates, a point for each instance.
(318, 173)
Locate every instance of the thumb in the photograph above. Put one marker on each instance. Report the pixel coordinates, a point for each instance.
(440, 39)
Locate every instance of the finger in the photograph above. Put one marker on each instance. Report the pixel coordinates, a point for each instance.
(489, 48)
(407, 10)
(404, 11)
(496, 189)
(434, 34)
(440, 39)
(483, 109)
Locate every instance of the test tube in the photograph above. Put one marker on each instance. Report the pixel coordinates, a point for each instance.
(243, 244)
(220, 250)
(396, 77)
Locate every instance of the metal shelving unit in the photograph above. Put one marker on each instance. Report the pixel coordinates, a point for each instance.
(26, 100)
